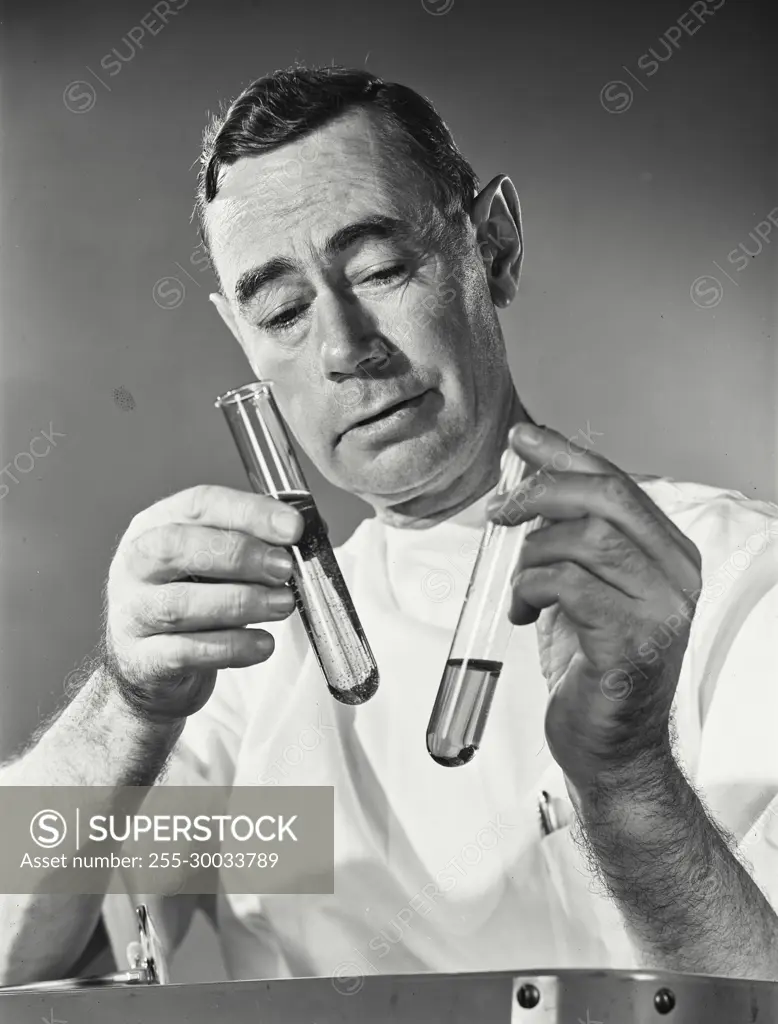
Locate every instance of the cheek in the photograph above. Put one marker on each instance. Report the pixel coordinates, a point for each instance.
(300, 393)
(444, 319)
(309, 419)
(450, 346)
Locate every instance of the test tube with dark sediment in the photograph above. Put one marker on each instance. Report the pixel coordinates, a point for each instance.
(321, 595)
(481, 638)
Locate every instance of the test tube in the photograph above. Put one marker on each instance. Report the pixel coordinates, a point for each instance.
(477, 651)
(321, 595)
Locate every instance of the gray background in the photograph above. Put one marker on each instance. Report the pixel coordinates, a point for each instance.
(622, 213)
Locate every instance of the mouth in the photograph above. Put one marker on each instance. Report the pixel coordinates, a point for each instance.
(390, 409)
(388, 414)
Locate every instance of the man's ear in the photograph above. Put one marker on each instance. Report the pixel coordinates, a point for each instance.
(496, 216)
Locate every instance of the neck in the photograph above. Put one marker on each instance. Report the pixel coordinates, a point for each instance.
(481, 476)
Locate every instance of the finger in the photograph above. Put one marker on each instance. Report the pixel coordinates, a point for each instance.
(597, 546)
(575, 495)
(191, 607)
(541, 446)
(172, 551)
(176, 653)
(134, 955)
(565, 584)
(223, 508)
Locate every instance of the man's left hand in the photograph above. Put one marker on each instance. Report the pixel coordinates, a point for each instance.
(613, 584)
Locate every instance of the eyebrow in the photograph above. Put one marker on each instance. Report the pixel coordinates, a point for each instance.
(252, 281)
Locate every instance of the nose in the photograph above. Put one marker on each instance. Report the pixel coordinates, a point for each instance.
(349, 341)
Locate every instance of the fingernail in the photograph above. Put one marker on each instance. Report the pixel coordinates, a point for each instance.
(281, 600)
(279, 564)
(264, 642)
(285, 521)
(526, 433)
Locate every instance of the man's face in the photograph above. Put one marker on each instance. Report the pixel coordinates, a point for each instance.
(370, 313)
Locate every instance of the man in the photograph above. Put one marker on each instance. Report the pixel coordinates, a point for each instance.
(362, 271)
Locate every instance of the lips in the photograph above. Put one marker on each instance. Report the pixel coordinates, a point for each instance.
(385, 410)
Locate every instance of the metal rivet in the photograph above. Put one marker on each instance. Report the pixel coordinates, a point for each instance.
(664, 1000)
(528, 997)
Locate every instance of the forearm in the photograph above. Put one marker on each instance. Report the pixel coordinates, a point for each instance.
(95, 741)
(688, 903)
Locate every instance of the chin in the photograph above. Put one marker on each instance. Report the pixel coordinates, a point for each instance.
(406, 470)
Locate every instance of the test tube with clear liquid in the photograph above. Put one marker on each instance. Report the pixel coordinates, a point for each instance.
(321, 596)
(477, 652)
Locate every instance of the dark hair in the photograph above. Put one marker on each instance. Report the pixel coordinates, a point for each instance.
(290, 104)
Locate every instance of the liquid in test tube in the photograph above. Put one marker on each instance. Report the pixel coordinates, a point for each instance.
(477, 652)
(321, 595)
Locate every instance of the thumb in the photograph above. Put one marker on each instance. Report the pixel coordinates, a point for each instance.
(134, 955)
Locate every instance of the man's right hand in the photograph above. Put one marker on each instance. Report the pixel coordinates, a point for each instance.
(189, 575)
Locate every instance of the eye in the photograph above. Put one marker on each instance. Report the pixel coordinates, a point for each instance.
(287, 318)
(389, 273)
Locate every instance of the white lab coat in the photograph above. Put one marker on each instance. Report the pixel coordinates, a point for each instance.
(446, 869)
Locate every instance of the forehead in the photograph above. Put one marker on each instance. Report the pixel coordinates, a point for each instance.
(289, 201)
